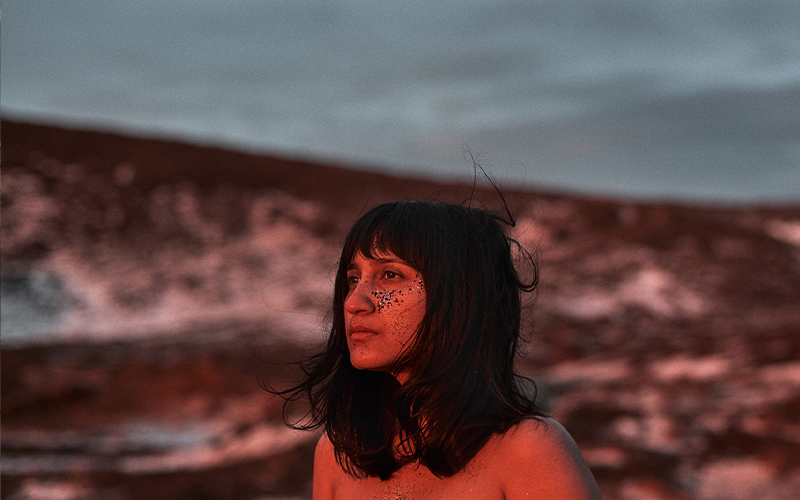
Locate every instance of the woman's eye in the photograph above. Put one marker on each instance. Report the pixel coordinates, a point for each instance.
(389, 275)
(352, 280)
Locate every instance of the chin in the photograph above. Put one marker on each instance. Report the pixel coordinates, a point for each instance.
(362, 362)
(361, 365)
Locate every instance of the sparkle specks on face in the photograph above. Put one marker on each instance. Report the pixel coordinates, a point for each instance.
(387, 298)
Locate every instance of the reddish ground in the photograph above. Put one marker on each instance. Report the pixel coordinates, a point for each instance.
(667, 337)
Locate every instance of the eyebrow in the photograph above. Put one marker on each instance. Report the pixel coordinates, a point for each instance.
(392, 261)
(382, 261)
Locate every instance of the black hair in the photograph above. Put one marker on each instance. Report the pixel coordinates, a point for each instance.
(462, 386)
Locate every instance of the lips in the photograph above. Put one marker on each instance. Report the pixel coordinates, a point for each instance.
(357, 332)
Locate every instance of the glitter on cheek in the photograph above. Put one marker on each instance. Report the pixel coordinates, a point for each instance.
(386, 298)
(417, 285)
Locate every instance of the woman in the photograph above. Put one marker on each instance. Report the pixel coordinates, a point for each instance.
(416, 388)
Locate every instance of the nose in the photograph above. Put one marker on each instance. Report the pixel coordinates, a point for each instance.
(359, 300)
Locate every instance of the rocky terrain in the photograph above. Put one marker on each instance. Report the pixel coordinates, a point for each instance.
(150, 287)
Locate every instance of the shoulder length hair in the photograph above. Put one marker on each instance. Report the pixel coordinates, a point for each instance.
(462, 386)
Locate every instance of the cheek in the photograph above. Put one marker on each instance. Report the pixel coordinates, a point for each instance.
(403, 310)
(387, 300)
(400, 300)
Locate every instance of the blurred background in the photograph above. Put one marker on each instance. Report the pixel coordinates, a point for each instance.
(178, 178)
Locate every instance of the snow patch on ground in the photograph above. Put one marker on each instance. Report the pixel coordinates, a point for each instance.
(786, 231)
(695, 369)
(650, 288)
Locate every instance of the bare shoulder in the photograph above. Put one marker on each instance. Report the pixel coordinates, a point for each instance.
(324, 446)
(539, 457)
(326, 469)
(538, 437)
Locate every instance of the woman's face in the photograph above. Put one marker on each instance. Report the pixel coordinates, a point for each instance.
(385, 304)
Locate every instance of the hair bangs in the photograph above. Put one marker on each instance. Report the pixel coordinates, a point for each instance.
(390, 228)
